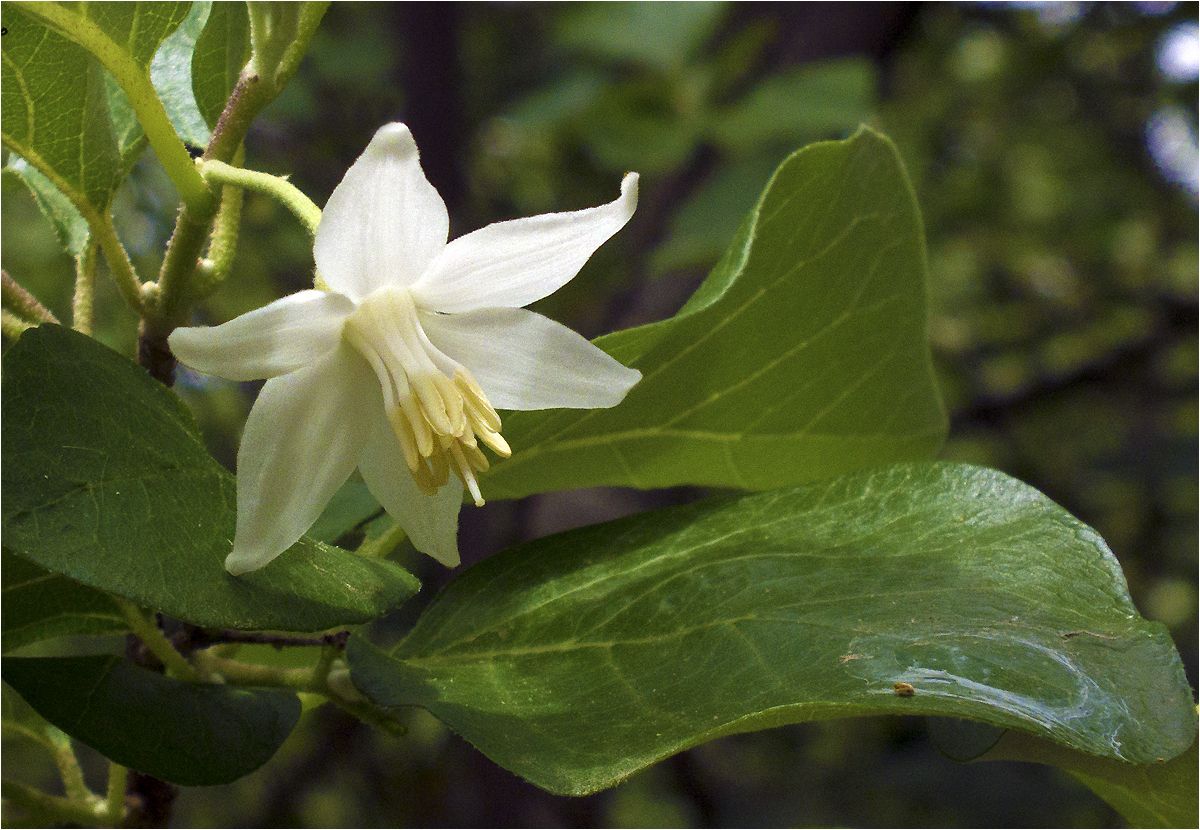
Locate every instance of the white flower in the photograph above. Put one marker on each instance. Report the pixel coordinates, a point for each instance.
(398, 370)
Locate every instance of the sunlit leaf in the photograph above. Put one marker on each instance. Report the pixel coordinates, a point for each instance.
(802, 356)
(580, 658)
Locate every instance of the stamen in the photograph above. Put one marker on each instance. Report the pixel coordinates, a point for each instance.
(436, 409)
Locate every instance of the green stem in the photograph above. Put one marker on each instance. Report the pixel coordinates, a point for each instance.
(44, 805)
(68, 765)
(13, 326)
(384, 544)
(222, 244)
(156, 641)
(135, 81)
(276, 187)
(255, 674)
(114, 800)
(119, 265)
(16, 297)
(83, 306)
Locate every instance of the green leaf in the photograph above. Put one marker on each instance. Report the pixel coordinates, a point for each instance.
(802, 356)
(171, 73)
(1159, 794)
(802, 103)
(69, 225)
(221, 52)
(582, 658)
(186, 733)
(65, 115)
(106, 481)
(39, 605)
(54, 111)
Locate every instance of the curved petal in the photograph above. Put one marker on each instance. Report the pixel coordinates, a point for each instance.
(384, 223)
(303, 438)
(431, 522)
(511, 264)
(286, 335)
(526, 361)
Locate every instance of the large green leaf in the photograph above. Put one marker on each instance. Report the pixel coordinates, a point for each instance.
(106, 481)
(221, 51)
(186, 733)
(802, 356)
(66, 116)
(54, 110)
(39, 605)
(581, 658)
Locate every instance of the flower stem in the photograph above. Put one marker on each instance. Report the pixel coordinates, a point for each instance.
(45, 806)
(82, 307)
(384, 544)
(114, 801)
(276, 187)
(68, 765)
(18, 298)
(117, 258)
(135, 81)
(156, 642)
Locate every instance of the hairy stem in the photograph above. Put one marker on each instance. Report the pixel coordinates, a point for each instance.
(276, 187)
(83, 304)
(56, 809)
(18, 299)
(156, 642)
(68, 765)
(114, 800)
(13, 326)
(117, 258)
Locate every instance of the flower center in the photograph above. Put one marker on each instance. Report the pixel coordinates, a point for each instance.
(436, 409)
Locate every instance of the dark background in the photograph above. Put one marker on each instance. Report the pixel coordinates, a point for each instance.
(1053, 149)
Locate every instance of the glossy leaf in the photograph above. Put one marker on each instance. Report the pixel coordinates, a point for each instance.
(185, 733)
(802, 356)
(39, 605)
(581, 658)
(221, 51)
(107, 481)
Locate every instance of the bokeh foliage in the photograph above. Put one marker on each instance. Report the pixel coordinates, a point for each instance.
(1063, 269)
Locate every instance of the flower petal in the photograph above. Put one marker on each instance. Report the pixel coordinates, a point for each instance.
(303, 438)
(431, 522)
(526, 361)
(511, 264)
(384, 223)
(288, 334)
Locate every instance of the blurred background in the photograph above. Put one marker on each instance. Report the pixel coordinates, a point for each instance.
(1053, 149)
